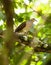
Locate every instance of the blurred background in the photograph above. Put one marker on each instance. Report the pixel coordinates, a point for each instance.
(38, 53)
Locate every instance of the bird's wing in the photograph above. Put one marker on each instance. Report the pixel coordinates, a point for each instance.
(20, 27)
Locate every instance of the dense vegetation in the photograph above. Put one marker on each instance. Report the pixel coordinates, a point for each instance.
(33, 48)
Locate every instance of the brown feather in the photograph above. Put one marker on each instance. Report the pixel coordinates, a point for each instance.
(20, 27)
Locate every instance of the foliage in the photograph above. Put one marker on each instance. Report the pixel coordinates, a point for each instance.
(24, 54)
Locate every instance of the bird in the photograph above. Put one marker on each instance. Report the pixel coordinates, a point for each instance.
(25, 26)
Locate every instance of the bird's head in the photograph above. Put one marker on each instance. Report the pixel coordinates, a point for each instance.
(33, 19)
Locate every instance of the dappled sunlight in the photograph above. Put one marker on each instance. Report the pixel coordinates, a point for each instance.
(26, 2)
(1, 22)
(25, 32)
(19, 10)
